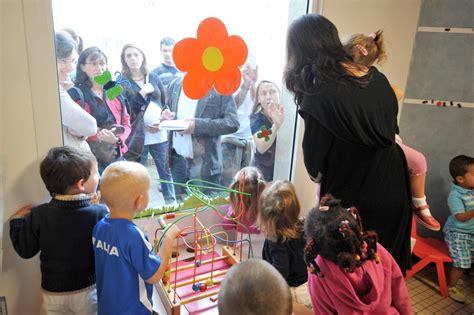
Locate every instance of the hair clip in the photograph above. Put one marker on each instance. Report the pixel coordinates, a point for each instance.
(324, 208)
(353, 210)
(342, 226)
(373, 35)
(362, 50)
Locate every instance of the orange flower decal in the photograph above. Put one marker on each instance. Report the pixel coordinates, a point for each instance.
(213, 58)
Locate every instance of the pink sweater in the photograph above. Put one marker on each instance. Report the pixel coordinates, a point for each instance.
(371, 289)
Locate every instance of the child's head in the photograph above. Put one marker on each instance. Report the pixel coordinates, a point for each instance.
(249, 180)
(366, 50)
(336, 235)
(461, 169)
(280, 211)
(69, 171)
(125, 186)
(254, 287)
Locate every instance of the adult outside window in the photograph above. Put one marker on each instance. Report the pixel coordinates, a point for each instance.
(238, 148)
(147, 95)
(196, 151)
(77, 123)
(167, 71)
(112, 117)
(265, 121)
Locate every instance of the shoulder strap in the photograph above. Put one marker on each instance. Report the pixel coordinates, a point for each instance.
(81, 96)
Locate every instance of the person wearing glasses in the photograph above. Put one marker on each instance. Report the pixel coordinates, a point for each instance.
(113, 120)
(268, 115)
(77, 123)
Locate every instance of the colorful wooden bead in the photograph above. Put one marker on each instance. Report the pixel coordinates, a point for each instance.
(196, 287)
(198, 263)
(203, 287)
(209, 283)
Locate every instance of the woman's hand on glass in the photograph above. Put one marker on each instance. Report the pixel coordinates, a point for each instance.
(107, 135)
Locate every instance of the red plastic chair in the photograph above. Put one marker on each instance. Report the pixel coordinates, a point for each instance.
(430, 250)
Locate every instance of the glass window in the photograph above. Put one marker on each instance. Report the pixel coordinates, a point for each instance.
(254, 126)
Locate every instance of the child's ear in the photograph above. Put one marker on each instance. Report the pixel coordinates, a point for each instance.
(138, 202)
(80, 185)
(459, 179)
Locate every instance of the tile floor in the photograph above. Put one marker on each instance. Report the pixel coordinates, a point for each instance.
(426, 300)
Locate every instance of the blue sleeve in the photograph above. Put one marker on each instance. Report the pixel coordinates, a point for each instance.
(455, 203)
(142, 257)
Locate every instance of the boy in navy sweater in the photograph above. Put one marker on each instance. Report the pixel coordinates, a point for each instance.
(61, 230)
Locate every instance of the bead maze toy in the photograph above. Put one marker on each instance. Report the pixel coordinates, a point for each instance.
(191, 285)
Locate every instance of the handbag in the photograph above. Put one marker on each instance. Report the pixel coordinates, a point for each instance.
(136, 139)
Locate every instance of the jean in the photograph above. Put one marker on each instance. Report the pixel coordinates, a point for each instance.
(159, 153)
(236, 154)
(180, 168)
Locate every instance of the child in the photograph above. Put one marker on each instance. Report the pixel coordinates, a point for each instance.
(244, 208)
(279, 218)
(254, 287)
(459, 228)
(61, 230)
(126, 266)
(269, 114)
(369, 49)
(349, 273)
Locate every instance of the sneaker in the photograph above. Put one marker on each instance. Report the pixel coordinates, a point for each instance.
(456, 295)
(428, 221)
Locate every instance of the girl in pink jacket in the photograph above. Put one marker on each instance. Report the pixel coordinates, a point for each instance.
(348, 271)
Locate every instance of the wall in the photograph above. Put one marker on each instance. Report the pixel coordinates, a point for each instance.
(441, 70)
(30, 124)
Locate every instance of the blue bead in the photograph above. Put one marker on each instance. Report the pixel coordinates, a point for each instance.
(198, 263)
(196, 287)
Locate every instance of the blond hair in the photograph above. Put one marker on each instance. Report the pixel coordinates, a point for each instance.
(279, 212)
(245, 290)
(122, 182)
(249, 180)
(365, 49)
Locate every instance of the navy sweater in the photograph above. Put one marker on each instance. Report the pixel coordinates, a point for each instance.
(62, 232)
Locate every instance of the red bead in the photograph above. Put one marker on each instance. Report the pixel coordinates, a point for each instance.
(203, 287)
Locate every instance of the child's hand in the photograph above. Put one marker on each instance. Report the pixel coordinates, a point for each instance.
(96, 197)
(24, 211)
(173, 232)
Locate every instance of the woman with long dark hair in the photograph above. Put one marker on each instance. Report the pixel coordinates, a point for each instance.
(113, 120)
(146, 94)
(350, 114)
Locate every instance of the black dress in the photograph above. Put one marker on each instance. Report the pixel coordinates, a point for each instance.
(349, 139)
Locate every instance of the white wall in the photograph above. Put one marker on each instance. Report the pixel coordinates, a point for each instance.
(29, 126)
(29, 116)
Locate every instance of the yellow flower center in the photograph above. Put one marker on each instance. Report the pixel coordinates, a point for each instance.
(212, 58)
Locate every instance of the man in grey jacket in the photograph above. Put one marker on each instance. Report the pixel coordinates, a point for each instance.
(196, 152)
